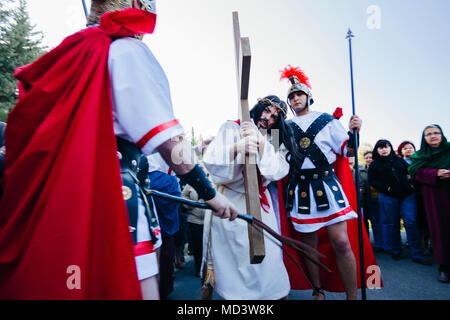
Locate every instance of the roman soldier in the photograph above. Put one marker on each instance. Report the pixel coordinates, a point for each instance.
(314, 196)
(86, 112)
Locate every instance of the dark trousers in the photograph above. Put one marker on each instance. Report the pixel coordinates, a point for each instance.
(196, 232)
(391, 210)
(166, 259)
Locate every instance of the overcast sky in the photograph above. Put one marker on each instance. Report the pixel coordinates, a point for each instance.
(400, 57)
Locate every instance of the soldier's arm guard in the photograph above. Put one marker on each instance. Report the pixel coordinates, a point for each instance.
(198, 180)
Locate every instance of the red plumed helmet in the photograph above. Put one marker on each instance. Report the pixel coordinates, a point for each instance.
(299, 82)
(295, 75)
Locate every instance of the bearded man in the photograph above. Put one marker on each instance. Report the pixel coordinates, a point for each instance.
(226, 246)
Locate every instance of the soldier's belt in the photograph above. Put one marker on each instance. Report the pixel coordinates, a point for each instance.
(128, 154)
(316, 178)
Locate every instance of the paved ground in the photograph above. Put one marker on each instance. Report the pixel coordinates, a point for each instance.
(403, 280)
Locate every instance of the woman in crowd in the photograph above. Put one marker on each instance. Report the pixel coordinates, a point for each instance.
(195, 226)
(370, 204)
(430, 167)
(389, 176)
(405, 150)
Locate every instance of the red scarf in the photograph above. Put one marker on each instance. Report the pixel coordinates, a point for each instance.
(63, 222)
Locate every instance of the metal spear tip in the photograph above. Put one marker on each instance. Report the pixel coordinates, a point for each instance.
(349, 34)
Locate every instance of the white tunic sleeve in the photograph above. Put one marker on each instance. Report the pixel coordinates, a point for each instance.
(142, 106)
(157, 163)
(216, 159)
(339, 137)
(273, 165)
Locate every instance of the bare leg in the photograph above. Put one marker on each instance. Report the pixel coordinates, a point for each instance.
(345, 258)
(313, 269)
(150, 288)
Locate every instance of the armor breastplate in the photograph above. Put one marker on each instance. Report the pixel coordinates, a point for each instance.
(317, 177)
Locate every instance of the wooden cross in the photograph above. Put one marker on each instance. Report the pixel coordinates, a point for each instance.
(243, 58)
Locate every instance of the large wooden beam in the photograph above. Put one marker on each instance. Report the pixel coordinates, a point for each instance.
(243, 60)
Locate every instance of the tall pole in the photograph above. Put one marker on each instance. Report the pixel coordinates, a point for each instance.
(85, 8)
(355, 147)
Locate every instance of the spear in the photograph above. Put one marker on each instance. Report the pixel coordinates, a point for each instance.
(302, 248)
(85, 8)
(355, 147)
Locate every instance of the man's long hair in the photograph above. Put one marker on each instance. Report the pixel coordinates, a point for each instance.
(286, 135)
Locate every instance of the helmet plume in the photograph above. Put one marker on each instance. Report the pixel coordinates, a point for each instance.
(295, 75)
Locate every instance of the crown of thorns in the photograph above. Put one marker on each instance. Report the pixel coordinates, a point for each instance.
(273, 103)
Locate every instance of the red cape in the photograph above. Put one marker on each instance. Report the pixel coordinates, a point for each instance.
(331, 281)
(63, 221)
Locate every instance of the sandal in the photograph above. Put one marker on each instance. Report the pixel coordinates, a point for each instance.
(317, 291)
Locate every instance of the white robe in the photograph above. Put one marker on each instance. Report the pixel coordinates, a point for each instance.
(236, 278)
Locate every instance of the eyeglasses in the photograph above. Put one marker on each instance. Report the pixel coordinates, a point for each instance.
(433, 134)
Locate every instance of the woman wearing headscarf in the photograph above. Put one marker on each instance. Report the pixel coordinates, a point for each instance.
(388, 174)
(430, 167)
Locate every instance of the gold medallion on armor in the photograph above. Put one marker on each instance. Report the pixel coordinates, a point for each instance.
(319, 193)
(126, 193)
(291, 192)
(304, 142)
(303, 194)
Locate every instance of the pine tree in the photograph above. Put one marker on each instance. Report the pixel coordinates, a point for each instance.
(19, 45)
(195, 140)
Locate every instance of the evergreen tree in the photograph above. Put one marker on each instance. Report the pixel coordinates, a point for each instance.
(195, 140)
(19, 45)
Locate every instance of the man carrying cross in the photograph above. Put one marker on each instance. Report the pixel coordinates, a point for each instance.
(226, 245)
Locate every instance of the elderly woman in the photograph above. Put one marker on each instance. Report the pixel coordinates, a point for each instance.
(430, 167)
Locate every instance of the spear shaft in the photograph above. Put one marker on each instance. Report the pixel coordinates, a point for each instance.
(85, 8)
(305, 250)
(358, 194)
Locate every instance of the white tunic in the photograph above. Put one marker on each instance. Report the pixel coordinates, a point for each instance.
(142, 110)
(236, 278)
(157, 163)
(331, 140)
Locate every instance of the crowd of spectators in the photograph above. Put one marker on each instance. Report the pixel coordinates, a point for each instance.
(413, 187)
(401, 189)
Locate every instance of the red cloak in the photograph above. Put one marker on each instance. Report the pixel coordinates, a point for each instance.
(331, 281)
(63, 221)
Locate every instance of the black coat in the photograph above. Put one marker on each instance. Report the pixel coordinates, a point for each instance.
(388, 175)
